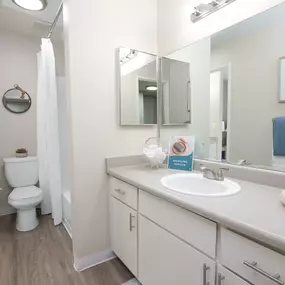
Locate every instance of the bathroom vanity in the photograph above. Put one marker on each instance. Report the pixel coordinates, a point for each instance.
(169, 238)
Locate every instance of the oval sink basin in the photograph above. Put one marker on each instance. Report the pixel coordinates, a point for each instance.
(195, 184)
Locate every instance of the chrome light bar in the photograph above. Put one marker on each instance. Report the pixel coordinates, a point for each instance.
(204, 10)
(127, 54)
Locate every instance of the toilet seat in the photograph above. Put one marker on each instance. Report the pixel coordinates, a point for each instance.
(26, 193)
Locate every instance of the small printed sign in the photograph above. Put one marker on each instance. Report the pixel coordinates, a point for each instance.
(181, 153)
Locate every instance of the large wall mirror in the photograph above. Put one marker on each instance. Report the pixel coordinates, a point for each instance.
(16, 100)
(138, 87)
(237, 89)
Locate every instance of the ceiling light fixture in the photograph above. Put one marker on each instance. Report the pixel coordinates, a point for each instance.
(203, 10)
(31, 5)
(151, 88)
(127, 54)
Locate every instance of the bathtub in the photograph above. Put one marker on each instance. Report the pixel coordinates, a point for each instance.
(66, 208)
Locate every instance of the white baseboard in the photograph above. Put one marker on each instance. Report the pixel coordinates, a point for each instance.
(67, 227)
(97, 258)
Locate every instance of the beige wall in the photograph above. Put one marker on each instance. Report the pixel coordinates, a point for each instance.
(175, 30)
(92, 40)
(18, 58)
(254, 58)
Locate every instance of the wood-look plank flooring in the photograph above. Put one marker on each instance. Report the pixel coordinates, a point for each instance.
(44, 257)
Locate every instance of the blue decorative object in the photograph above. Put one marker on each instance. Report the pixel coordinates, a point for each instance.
(279, 136)
(181, 153)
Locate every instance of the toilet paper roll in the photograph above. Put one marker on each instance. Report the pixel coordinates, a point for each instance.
(282, 197)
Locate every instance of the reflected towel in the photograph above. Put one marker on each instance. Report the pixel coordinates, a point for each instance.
(279, 136)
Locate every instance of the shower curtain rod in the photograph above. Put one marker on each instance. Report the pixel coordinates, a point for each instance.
(52, 27)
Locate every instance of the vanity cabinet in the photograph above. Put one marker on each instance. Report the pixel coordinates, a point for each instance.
(161, 243)
(165, 259)
(252, 261)
(124, 236)
(225, 277)
(191, 228)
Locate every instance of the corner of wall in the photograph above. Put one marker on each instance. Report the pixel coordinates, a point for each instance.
(83, 263)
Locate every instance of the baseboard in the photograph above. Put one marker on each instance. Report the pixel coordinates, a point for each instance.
(67, 227)
(9, 212)
(86, 262)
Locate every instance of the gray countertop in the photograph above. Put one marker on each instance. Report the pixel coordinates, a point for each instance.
(256, 211)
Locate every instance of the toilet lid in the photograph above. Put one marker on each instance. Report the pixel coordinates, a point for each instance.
(25, 193)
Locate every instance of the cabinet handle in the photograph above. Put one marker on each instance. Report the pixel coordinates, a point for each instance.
(253, 265)
(205, 269)
(188, 96)
(120, 191)
(220, 278)
(131, 222)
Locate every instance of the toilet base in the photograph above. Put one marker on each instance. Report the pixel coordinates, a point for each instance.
(27, 220)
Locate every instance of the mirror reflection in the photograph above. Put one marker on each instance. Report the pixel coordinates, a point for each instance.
(138, 87)
(237, 114)
(17, 100)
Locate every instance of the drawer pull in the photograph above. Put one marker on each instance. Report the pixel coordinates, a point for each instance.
(205, 269)
(131, 222)
(253, 265)
(220, 278)
(120, 191)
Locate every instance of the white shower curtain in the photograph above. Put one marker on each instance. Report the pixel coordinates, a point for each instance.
(48, 133)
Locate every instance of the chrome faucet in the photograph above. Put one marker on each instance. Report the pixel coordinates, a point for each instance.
(213, 175)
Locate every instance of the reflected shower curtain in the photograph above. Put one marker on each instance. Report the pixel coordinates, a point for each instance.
(48, 133)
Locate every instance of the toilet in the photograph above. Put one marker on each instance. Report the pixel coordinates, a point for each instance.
(22, 174)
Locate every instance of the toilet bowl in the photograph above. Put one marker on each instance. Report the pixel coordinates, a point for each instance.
(22, 174)
(25, 200)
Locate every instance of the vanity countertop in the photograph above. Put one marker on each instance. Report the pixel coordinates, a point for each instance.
(256, 211)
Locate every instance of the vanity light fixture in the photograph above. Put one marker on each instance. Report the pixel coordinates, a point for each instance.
(151, 88)
(31, 5)
(127, 54)
(203, 10)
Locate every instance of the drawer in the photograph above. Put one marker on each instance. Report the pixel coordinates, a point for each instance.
(225, 277)
(194, 229)
(252, 261)
(124, 192)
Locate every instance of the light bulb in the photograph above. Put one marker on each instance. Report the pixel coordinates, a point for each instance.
(151, 88)
(32, 5)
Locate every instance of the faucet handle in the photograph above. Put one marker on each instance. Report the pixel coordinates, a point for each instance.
(220, 173)
(224, 168)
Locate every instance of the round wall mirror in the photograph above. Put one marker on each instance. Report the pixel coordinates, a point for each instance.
(16, 100)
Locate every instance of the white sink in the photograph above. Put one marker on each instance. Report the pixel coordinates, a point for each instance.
(197, 185)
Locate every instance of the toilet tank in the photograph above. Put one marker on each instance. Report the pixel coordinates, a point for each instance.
(21, 172)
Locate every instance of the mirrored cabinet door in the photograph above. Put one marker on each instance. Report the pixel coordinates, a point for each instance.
(138, 87)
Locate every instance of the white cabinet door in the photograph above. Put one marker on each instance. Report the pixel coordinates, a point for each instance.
(225, 277)
(166, 260)
(124, 233)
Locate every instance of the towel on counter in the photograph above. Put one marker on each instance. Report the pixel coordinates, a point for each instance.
(279, 136)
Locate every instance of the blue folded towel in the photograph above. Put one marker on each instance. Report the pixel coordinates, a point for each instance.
(279, 136)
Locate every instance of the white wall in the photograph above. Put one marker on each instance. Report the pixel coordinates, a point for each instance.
(92, 39)
(254, 59)
(216, 114)
(18, 58)
(175, 30)
(18, 66)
